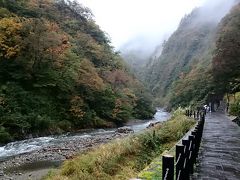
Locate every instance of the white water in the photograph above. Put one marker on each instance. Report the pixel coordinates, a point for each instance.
(159, 116)
(25, 146)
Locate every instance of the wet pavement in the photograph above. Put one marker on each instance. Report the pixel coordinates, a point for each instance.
(219, 156)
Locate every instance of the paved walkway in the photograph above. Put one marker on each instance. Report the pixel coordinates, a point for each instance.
(219, 157)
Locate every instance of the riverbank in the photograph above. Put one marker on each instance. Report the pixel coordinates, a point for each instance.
(52, 156)
(124, 158)
(33, 158)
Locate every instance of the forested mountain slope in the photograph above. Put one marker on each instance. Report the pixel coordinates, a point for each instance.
(182, 74)
(190, 44)
(58, 72)
(139, 60)
(226, 59)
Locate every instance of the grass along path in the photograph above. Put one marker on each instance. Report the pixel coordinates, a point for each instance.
(125, 158)
(154, 170)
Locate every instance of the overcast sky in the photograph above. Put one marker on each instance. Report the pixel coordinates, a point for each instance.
(124, 20)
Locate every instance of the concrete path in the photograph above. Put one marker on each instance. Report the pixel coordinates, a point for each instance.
(219, 157)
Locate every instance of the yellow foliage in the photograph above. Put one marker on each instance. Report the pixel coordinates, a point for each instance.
(45, 41)
(2, 101)
(59, 41)
(76, 107)
(10, 37)
(42, 3)
(130, 94)
(4, 13)
(88, 76)
(90, 45)
(117, 108)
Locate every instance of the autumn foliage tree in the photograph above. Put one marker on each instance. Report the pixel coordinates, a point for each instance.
(58, 71)
(226, 66)
(10, 39)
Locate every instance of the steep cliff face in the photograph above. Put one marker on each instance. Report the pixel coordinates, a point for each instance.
(182, 52)
(178, 75)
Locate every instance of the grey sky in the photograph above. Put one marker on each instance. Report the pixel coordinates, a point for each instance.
(143, 23)
(124, 20)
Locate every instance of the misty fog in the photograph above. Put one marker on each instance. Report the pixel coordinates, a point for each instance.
(140, 26)
(211, 11)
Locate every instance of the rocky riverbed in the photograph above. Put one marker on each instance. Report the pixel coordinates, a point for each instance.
(33, 158)
(39, 161)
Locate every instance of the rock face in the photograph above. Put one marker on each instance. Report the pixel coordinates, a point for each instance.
(237, 120)
(124, 130)
(153, 124)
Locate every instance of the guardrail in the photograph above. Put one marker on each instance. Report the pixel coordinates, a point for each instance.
(195, 114)
(186, 153)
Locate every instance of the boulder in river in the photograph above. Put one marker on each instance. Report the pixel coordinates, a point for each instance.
(153, 124)
(1, 173)
(236, 120)
(124, 130)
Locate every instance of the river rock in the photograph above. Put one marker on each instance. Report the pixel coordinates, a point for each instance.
(236, 120)
(153, 124)
(1, 173)
(124, 130)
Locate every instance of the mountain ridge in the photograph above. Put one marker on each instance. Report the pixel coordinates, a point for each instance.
(58, 72)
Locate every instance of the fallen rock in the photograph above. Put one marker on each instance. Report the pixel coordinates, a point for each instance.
(124, 130)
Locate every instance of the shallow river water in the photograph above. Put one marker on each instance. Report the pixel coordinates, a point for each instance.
(25, 146)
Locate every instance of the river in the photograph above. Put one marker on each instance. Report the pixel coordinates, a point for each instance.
(25, 146)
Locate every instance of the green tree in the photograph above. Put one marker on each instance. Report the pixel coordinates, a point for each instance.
(226, 67)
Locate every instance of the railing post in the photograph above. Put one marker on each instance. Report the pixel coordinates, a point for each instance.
(201, 125)
(191, 153)
(179, 161)
(185, 160)
(203, 119)
(167, 167)
(195, 151)
(186, 143)
(199, 132)
(186, 154)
